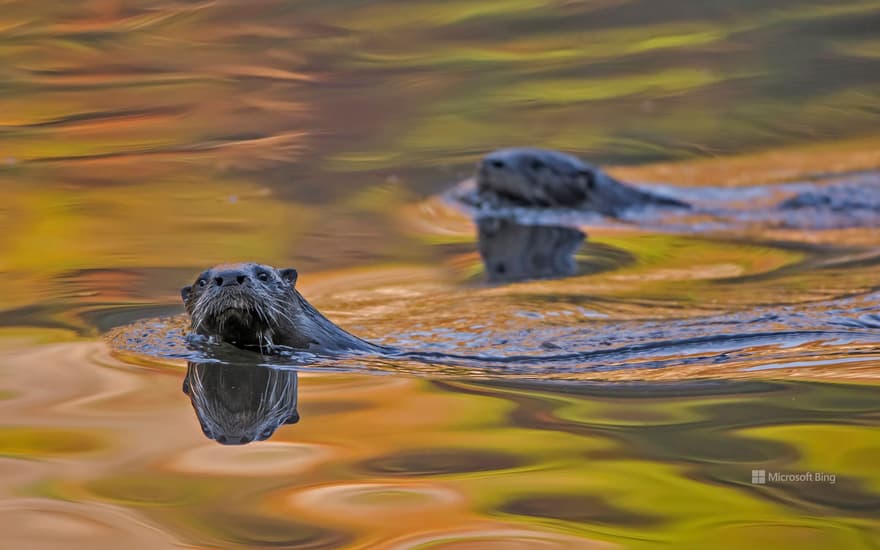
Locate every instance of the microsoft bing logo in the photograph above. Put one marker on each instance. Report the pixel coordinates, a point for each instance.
(761, 477)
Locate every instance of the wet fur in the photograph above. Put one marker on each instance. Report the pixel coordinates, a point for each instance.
(545, 178)
(261, 313)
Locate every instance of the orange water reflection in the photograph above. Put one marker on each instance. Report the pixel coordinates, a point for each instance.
(396, 462)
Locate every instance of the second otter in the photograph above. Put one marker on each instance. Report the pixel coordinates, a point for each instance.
(253, 306)
(544, 178)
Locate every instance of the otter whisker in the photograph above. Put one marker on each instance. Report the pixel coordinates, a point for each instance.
(280, 312)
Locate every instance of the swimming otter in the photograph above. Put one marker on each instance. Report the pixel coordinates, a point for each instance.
(545, 178)
(257, 307)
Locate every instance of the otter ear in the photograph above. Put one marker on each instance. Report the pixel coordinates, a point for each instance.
(293, 419)
(186, 386)
(289, 275)
(184, 292)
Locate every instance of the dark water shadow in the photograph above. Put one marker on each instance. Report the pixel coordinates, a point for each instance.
(513, 251)
(240, 403)
(516, 252)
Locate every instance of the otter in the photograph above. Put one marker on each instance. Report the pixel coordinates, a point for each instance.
(257, 307)
(534, 177)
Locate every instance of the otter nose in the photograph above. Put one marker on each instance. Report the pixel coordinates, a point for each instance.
(230, 278)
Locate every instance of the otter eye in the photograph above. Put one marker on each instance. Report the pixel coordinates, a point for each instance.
(266, 433)
(536, 165)
(263, 276)
(202, 282)
(589, 179)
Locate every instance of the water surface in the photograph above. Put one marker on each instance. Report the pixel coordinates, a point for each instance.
(629, 404)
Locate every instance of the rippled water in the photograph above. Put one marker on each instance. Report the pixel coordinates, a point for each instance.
(632, 402)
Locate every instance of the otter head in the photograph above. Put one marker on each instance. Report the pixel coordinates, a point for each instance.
(246, 305)
(537, 177)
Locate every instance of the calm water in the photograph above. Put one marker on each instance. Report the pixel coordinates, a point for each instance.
(632, 404)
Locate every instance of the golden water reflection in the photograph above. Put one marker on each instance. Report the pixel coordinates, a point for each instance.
(397, 462)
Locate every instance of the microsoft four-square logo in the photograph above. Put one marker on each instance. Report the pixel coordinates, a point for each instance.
(759, 477)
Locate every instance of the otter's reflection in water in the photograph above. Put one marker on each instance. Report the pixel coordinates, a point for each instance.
(515, 252)
(237, 404)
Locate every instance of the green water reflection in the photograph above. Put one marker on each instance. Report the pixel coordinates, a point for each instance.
(392, 458)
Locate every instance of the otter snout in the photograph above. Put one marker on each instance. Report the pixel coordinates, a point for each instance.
(232, 277)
